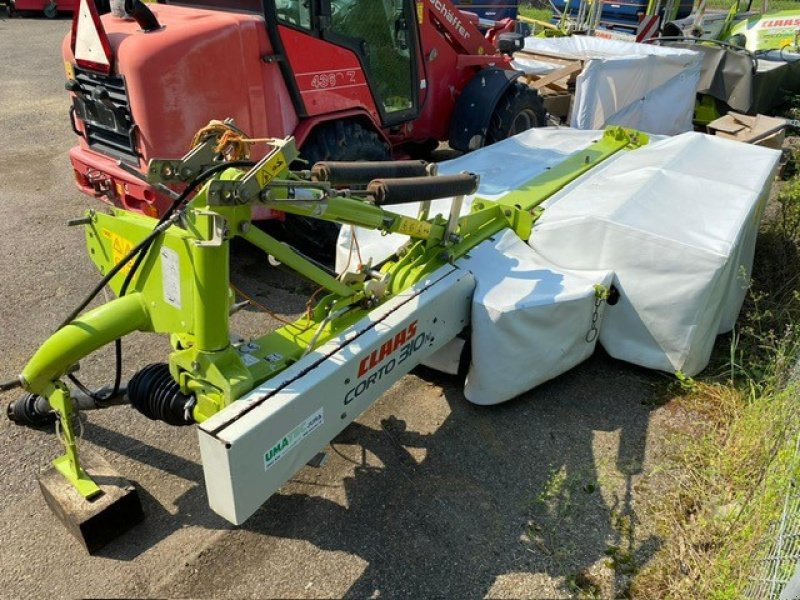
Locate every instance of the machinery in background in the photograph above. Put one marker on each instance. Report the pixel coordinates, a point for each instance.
(492, 10)
(49, 8)
(752, 57)
(348, 79)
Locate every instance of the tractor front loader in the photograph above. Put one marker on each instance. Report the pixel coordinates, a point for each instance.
(264, 407)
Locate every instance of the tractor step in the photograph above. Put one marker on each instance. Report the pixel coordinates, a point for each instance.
(94, 522)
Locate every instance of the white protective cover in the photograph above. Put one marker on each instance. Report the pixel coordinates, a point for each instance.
(643, 86)
(531, 320)
(677, 223)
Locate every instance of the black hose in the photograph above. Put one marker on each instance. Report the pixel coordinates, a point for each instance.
(143, 16)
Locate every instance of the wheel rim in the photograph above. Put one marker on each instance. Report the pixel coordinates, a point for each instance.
(524, 120)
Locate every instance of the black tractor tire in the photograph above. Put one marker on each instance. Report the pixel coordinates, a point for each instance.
(421, 150)
(519, 109)
(337, 140)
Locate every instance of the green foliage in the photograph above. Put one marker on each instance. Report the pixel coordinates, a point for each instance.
(536, 10)
(764, 346)
(732, 465)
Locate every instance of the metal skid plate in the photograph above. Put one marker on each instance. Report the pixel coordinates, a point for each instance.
(259, 442)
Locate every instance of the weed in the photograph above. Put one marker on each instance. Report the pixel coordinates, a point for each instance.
(730, 468)
(584, 585)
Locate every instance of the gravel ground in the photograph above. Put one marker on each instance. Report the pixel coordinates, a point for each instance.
(426, 495)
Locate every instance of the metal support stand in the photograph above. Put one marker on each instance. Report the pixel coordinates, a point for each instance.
(68, 464)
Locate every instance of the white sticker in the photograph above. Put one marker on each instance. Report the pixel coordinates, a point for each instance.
(171, 277)
(248, 359)
(282, 447)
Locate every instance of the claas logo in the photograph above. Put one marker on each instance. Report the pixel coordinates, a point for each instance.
(386, 350)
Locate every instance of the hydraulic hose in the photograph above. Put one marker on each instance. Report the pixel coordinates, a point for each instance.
(139, 252)
(140, 13)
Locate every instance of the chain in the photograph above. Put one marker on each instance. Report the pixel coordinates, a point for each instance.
(77, 418)
(600, 295)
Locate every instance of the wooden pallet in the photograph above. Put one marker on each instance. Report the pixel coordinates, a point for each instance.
(560, 80)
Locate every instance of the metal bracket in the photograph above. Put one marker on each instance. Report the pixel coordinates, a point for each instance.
(224, 192)
(247, 189)
(183, 169)
(219, 229)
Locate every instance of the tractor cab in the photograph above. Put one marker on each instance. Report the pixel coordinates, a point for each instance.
(366, 51)
(379, 33)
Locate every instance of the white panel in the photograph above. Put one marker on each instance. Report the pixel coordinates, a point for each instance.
(531, 319)
(643, 86)
(255, 445)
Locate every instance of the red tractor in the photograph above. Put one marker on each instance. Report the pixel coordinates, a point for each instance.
(349, 79)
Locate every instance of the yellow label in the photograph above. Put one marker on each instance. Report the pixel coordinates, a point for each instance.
(69, 70)
(414, 228)
(271, 169)
(420, 13)
(119, 248)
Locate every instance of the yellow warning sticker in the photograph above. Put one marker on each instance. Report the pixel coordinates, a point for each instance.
(420, 13)
(119, 248)
(271, 169)
(414, 228)
(69, 70)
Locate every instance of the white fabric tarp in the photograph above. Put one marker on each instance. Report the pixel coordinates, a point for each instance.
(531, 320)
(677, 222)
(643, 86)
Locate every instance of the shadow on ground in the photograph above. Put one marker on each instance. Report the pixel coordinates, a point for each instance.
(516, 490)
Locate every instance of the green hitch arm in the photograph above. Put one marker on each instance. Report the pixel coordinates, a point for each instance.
(80, 338)
(295, 262)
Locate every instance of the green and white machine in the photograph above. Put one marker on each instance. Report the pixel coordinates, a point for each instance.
(266, 406)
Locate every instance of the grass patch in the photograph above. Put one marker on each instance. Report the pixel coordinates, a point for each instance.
(536, 10)
(733, 458)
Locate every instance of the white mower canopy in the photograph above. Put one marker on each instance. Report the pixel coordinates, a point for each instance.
(671, 225)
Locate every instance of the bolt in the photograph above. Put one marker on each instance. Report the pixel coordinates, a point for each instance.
(244, 226)
(195, 366)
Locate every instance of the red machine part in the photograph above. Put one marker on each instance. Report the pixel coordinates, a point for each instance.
(50, 8)
(207, 64)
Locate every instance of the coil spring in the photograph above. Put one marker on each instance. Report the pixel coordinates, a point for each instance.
(155, 394)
